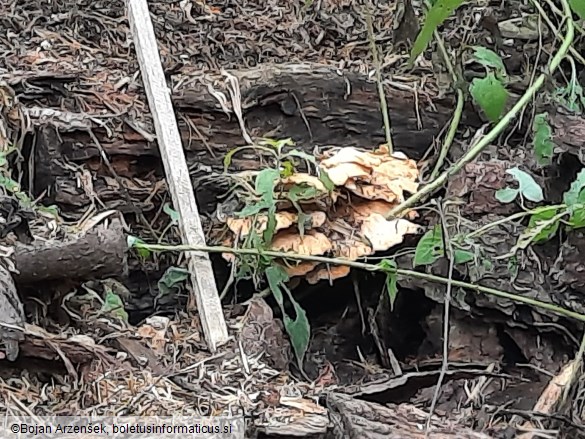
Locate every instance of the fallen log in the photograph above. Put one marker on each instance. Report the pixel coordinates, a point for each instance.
(99, 253)
(312, 104)
(355, 419)
(11, 317)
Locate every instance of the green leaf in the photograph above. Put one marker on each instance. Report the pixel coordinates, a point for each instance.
(302, 220)
(139, 245)
(171, 280)
(298, 329)
(276, 276)
(270, 225)
(287, 170)
(302, 155)
(172, 213)
(324, 177)
(571, 197)
(542, 225)
(430, 247)
(489, 58)
(9, 184)
(527, 186)
(506, 195)
(438, 13)
(389, 267)
(265, 183)
(254, 208)
(463, 256)
(491, 96)
(578, 7)
(571, 97)
(577, 218)
(277, 144)
(302, 191)
(542, 139)
(113, 305)
(52, 210)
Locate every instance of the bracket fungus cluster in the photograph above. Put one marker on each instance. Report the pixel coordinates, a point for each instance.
(341, 213)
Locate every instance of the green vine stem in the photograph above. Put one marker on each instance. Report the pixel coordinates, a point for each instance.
(513, 217)
(381, 93)
(458, 110)
(367, 267)
(499, 127)
(552, 27)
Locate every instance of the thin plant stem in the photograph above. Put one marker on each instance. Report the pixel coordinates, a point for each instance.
(382, 95)
(552, 27)
(513, 217)
(458, 110)
(446, 319)
(368, 267)
(498, 128)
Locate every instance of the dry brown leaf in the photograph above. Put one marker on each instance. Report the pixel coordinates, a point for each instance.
(384, 234)
(317, 219)
(303, 404)
(327, 273)
(313, 243)
(155, 330)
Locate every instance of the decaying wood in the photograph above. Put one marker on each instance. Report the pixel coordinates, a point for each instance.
(355, 419)
(11, 316)
(552, 396)
(98, 253)
(177, 174)
(312, 104)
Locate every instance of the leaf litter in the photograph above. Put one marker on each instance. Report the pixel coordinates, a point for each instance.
(88, 41)
(76, 55)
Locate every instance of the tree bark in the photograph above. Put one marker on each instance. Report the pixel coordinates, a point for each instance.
(355, 419)
(99, 253)
(11, 316)
(312, 104)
